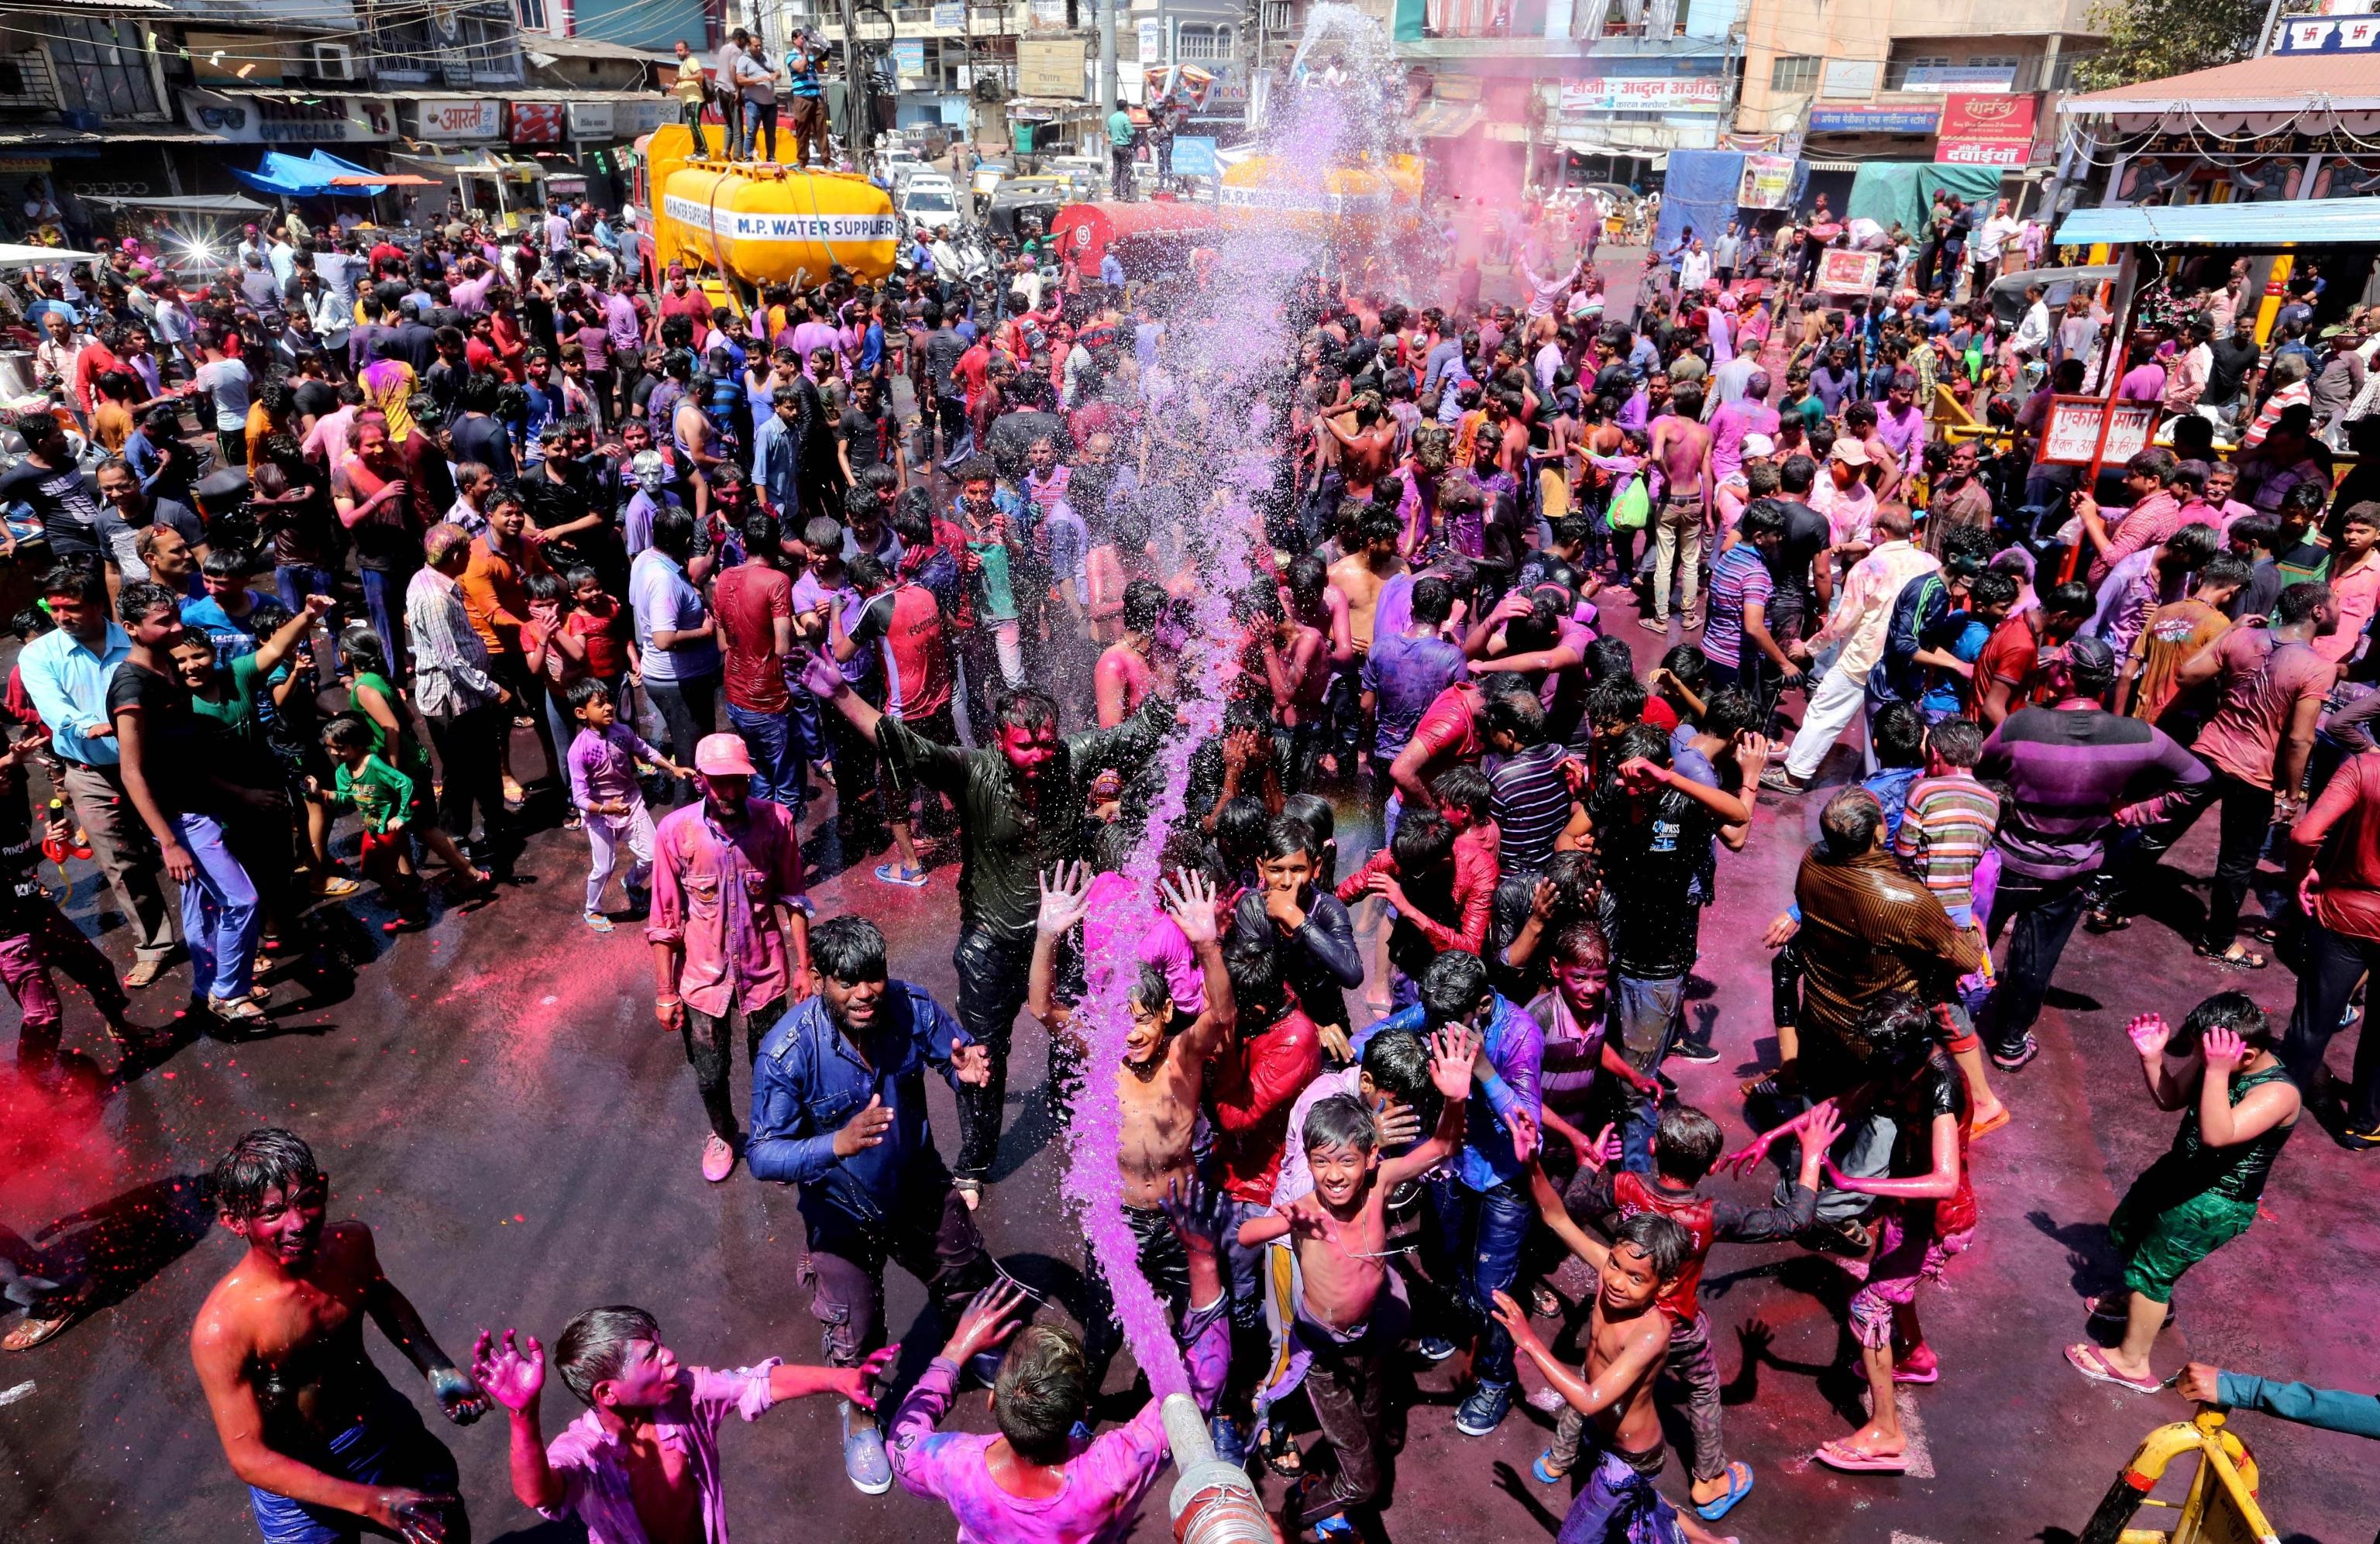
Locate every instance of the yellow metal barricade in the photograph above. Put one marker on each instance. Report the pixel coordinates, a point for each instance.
(2219, 1507)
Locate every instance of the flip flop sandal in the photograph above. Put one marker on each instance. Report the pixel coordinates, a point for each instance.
(910, 879)
(1739, 1485)
(143, 973)
(969, 1191)
(240, 1011)
(32, 1332)
(1989, 1124)
(2235, 958)
(1858, 1461)
(2092, 1364)
(2116, 1310)
(1544, 1302)
(2266, 931)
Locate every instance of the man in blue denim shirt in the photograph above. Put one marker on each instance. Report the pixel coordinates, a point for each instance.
(1482, 1195)
(839, 1107)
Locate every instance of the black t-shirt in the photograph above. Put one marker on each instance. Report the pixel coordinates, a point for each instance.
(1806, 535)
(68, 507)
(2234, 358)
(416, 344)
(1936, 1088)
(868, 440)
(175, 749)
(481, 438)
(319, 398)
(1655, 851)
(180, 516)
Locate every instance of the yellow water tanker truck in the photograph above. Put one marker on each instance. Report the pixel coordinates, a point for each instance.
(739, 225)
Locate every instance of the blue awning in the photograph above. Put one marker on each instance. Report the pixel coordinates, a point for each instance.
(305, 177)
(2266, 224)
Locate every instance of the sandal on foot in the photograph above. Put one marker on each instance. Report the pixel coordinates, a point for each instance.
(143, 973)
(2099, 919)
(1546, 1472)
(597, 921)
(1989, 1124)
(2234, 957)
(1858, 1461)
(32, 1332)
(970, 1191)
(1544, 1302)
(893, 873)
(1739, 1485)
(241, 1011)
(2092, 1364)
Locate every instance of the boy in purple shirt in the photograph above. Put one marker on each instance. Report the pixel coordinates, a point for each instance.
(1037, 1482)
(603, 789)
(608, 1468)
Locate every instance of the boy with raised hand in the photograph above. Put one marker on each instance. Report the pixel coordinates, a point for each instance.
(1157, 1087)
(1037, 1482)
(1685, 1146)
(643, 1461)
(1347, 1316)
(1627, 1341)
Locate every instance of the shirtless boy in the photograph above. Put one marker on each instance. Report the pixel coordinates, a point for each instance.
(1627, 1339)
(322, 1442)
(1360, 575)
(1680, 445)
(1125, 671)
(1156, 1088)
(1341, 1270)
(1367, 439)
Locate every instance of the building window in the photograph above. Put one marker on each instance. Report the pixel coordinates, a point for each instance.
(1196, 42)
(1794, 72)
(1896, 71)
(532, 14)
(103, 67)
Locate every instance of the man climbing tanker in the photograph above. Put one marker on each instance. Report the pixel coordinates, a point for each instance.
(741, 227)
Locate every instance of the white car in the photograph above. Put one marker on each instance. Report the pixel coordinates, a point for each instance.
(928, 200)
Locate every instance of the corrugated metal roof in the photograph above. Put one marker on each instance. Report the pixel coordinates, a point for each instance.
(2271, 223)
(593, 48)
(2276, 83)
(97, 7)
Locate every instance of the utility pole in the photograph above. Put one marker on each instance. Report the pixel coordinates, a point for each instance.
(854, 90)
(1107, 23)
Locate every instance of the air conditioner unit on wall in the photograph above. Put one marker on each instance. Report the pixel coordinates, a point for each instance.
(334, 61)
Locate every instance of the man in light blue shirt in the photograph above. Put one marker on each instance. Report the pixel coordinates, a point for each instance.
(66, 673)
(678, 638)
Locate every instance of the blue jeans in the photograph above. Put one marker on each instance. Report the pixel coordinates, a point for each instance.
(1483, 1231)
(297, 580)
(384, 603)
(1643, 1017)
(387, 1444)
(219, 913)
(776, 763)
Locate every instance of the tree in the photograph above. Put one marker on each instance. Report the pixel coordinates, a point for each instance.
(2148, 39)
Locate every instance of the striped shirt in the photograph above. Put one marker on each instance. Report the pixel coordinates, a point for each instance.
(1945, 830)
(1739, 579)
(1529, 799)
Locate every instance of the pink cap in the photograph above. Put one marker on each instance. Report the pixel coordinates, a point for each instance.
(722, 756)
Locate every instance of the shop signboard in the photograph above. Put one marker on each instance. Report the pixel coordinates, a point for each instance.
(1985, 130)
(2071, 435)
(1193, 155)
(951, 15)
(1050, 67)
(2347, 34)
(457, 119)
(534, 123)
(1874, 120)
(1961, 78)
(592, 120)
(640, 115)
(263, 120)
(1647, 93)
(1843, 271)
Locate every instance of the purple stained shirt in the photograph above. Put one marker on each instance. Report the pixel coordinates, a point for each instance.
(1901, 432)
(1405, 675)
(1728, 428)
(593, 1463)
(1162, 945)
(1100, 1489)
(604, 767)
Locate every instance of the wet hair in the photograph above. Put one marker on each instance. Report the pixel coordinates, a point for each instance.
(1024, 708)
(1253, 966)
(594, 1346)
(1686, 1143)
(1240, 831)
(2072, 599)
(1762, 517)
(1151, 990)
(1664, 1244)
(1454, 985)
(350, 732)
(1899, 732)
(1463, 786)
(1144, 605)
(136, 600)
(1580, 941)
(1610, 656)
(848, 949)
(1433, 599)
(1340, 1121)
(1958, 741)
(268, 1157)
(1042, 1390)
(1319, 818)
(1614, 703)
(1991, 588)
(2297, 603)
(2235, 1011)
(2225, 568)
(1797, 475)
(1424, 840)
(1398, 1064)
(1519, 715)
(1894, 1028)
(1848, 824)
(1288, 836)
(81, 580)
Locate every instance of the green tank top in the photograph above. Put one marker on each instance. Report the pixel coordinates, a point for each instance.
(2235, 1172)
(408, 757)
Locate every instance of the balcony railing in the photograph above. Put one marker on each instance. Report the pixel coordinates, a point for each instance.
(27, 83)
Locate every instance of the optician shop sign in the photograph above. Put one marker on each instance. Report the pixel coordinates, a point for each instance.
(261, 120)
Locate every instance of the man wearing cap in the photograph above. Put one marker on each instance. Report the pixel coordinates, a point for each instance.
(730, 926)
(1860, 621)
(2337, 384)
(1842, 495)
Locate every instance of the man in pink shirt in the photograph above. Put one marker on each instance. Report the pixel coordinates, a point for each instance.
(1748, 415)
(729, 926)
(2354, 581)
(611, 1468)
(2155, 514)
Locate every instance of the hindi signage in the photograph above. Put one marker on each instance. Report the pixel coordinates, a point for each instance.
(457, 119)
(1843, 271)
(1643, 93)
(2071, 435)
(1985, 130)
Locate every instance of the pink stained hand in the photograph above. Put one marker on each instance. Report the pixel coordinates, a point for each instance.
(1191, 903)
(853, 1383)
(970, 1064)
(511, 1374)
(2149, 1033)
(2223, 1050)
(1822, 1125)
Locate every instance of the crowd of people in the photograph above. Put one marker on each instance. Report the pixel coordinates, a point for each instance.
(467, 540)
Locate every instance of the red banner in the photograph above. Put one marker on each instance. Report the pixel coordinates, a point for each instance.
(1985, 130)
(535, 123)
